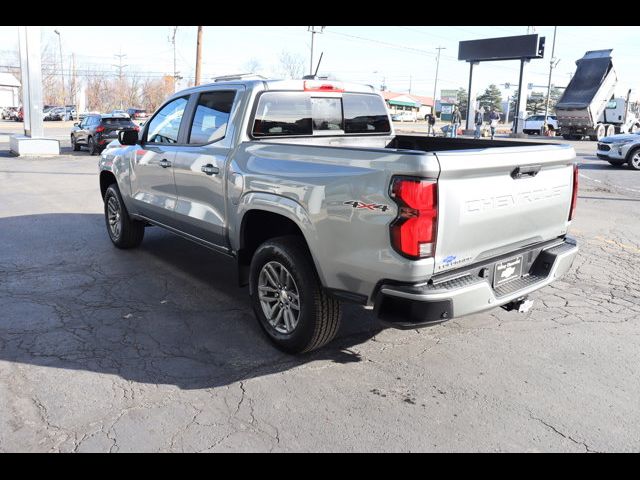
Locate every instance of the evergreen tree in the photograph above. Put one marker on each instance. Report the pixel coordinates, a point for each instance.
(462, 102)
(491, 98)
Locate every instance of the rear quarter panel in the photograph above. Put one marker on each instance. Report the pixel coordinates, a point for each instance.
(314, 186)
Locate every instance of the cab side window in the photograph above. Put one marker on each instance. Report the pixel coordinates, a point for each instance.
(164, 127)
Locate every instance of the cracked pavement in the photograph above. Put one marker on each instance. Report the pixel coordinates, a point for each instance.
(156, 349)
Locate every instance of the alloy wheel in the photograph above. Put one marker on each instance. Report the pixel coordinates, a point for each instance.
(279, 297)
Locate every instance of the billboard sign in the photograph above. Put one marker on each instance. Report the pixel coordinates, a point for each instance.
(449, 96)
(502, 48)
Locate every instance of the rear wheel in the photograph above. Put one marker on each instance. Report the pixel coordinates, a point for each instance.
(124, 232)
(611, 130)
(288, 300)
(634, 159)
(93, 147)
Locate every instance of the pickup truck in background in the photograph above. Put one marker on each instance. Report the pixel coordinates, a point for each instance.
(306, 185)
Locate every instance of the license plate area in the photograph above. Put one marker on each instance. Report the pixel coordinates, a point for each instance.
(507, 271)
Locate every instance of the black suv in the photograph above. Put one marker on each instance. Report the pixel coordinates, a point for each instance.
(96, 131)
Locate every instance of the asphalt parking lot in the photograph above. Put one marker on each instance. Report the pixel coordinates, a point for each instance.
(156, 349)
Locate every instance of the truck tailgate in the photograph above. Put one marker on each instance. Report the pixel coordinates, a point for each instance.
(495, 200)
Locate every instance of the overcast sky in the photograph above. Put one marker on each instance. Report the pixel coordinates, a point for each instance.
(403, 56)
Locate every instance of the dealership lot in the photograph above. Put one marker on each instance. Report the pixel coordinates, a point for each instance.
(156, 349)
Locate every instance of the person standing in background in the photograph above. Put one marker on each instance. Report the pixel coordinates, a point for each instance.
(494, 118)
(456, 120)
(479, 120)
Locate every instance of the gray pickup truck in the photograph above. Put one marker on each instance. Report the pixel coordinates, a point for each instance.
(306, 185)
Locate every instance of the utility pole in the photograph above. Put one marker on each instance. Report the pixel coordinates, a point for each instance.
(175, 73)
(73, 85)
(64, 103)
(552, 65)
(199, 56)
(313, 33)
(120, 68)
(435, 84)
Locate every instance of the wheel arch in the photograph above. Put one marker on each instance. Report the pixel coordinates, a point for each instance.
(265, 216)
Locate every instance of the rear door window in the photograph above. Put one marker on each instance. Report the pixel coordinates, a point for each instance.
(211, 117)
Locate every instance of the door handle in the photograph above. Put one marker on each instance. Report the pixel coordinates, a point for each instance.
(209, 169)
(164, 163)
(528, 171)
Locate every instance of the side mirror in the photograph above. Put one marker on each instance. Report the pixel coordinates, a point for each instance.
(76, 124)
(128, 137)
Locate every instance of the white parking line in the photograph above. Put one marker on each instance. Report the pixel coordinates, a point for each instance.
(610, 184)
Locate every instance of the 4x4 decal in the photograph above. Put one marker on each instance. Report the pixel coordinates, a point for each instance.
(368, 206)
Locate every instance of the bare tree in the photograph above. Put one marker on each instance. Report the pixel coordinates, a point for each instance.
(156, 91)
(253, 65)
(291, 64)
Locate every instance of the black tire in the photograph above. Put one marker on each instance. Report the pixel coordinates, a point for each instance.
(319, 314)
(76, 147)
(93, 147)
(566, 136)
(130, 232)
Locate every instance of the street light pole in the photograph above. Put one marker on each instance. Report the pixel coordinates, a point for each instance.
(313, 33)
(175, 73)
(435, 85)
(552, 64)
(64, 102)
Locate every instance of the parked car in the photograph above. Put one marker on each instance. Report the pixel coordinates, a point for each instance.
(96, 131)
(405, 116)
(8, 113)
(18, 116)
(533, 124)
(84, 114)
(62, 113)
(119, 112)
(621, 149)
(137, 113)
(307, 187)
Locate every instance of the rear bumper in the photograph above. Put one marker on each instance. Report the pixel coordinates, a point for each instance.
(410, 306)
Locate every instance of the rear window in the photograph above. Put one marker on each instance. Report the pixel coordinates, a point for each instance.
(300, 113)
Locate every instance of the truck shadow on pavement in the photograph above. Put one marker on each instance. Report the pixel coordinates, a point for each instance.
(169, 312)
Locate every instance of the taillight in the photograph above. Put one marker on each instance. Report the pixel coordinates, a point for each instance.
(574, 197)
(318, 86)
(136, 128)
(100, 129)
(413, 232)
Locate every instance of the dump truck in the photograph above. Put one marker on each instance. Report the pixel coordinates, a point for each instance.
(589, 106)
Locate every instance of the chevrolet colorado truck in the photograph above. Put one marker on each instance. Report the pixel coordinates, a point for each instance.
(306, 185)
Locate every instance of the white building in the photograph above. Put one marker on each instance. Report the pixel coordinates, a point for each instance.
(9, 90)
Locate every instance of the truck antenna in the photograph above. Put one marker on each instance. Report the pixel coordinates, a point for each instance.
(318, 67)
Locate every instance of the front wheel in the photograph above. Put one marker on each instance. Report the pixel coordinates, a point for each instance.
(124, 232)
(634, 159)
(288, 300)
(74, 144)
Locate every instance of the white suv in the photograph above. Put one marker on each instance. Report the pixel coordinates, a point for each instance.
(533, 124)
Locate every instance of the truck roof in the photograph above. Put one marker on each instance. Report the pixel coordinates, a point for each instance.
(275, 84)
